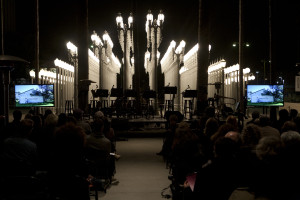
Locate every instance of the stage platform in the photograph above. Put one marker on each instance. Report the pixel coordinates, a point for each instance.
(141, 127)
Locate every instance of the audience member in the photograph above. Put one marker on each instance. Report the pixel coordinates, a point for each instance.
(222, 130)
(283, 117)
(185, 152)
(233, 121)
(68, 170)
(234, 135)
(209, 112)
(109, 133)
(288, 126)
(297, 122)
(268, 174)
(98, 149)
(45, 141)
(78, 114)
(62, 119)
(13, 127)
(218, 178)
(206, 145)
(47, 112)
(255, 115)
(37, 130)
(169, 137)
(247, 159)
(293, 114)
(19, 155)
(265, 127)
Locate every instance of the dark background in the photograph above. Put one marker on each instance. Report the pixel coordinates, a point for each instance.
(59, 22)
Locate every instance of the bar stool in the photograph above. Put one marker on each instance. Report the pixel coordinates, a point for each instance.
(188, 107)
(69, 106)
(169, 105)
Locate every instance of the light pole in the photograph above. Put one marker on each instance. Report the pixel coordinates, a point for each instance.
(73, 57)
(154, 37)
(125, 35)
(97, 43)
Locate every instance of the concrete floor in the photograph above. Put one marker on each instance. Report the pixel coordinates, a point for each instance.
(142, 174)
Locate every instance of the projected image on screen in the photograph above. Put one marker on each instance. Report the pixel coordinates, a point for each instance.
(34, 95)
(265, 95)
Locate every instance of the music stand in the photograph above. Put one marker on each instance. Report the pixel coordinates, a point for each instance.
(172, 90)
(94, 93)
(190, 93)
(130, 93)
(102, 93)
(116, 92)
(149, 94)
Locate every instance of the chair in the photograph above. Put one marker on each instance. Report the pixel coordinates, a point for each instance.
(99, 165)
(23, 187)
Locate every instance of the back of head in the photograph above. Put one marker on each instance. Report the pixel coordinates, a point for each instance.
(225, 148)
(62, 119)
(47, 112)
(77, 113)
(283, 114)
(232, 120)
(290, 137)
(251, 135)
(37, 121)
(26, 127)
(98, 125)
(98, 115)
(183, 133)
(222, 130)
(269, 147)
(51, 120)
(211, 127)
(264, 120)
(255, 114)
(289, 126)
(210, 111)
(234, 135)
(69, 140)
(17, 114)
(293, 113)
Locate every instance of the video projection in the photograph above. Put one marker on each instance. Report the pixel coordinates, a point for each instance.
(39, 95)
(265, 95)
